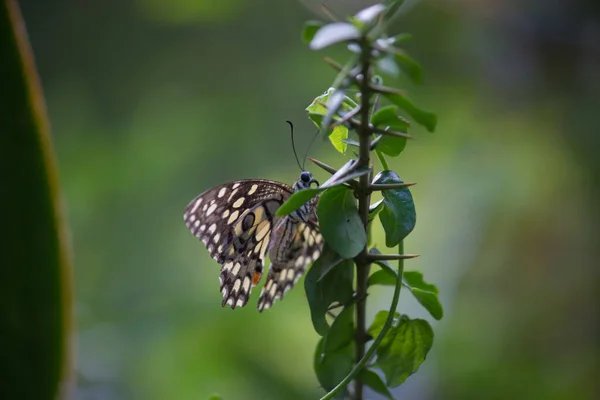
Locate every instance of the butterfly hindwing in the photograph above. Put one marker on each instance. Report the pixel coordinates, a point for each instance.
(299, 244)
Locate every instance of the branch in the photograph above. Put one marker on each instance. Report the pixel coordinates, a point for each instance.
(384, 330)
(390, 257)
(353, 184)
(374, 129)
(363, 129)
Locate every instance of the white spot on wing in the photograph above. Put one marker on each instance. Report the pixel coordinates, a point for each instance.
(233, 217)
(222, 192)
(253, 189)
(236, 268)
(246, 284)
(263, 231)
(238, 203)
(211, 209)
(196, 205)
(290, 274)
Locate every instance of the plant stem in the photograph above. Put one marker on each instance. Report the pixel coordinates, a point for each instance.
(384, 330)
(381, 157)
(362, 261)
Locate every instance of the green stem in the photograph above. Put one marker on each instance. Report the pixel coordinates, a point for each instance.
(386, 327)
(382, 160)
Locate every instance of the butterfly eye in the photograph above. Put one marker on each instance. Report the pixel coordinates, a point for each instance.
(306, 177)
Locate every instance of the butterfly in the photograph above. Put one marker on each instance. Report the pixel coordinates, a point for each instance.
(236, 221)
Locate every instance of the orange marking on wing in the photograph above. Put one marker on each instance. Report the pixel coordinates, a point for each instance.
(256, 278)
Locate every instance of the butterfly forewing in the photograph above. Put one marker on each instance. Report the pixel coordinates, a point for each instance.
(236, 222)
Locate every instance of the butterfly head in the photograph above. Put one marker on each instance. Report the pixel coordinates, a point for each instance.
(305, 181)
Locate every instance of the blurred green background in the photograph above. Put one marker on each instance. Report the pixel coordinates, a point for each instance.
(153, 102)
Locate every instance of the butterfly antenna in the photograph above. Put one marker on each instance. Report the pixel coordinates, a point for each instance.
(308, 148)
(293, 145)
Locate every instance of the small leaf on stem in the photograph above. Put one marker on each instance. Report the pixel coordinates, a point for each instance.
(374, 381)
(404, 349)
(322, 289)
(425, 118)
(310, 29)
(340, 223)
(332, 367)
(333, 33)
(387, 117)
(398, 216)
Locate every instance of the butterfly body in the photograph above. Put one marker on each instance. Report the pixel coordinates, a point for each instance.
(238, 224)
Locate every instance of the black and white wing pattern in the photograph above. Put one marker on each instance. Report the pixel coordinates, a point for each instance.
(237, 223)
(299, 244)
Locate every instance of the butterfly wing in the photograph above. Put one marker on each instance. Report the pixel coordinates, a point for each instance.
(294, 246)
(235, 221)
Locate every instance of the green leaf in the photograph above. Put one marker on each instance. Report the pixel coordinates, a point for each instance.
(215, 396)
(398, 216)
(377, 326)
(374, 381)
(340, 223)
(368, 15)
(425, 118)
(337, 137)
(388, 117)
(404, 349)
(414, 279)
(334, 103)
(333, 33)
(375, 208)
(382, 277)
(332, 367)
(410, 67)
(430, 301)
(425, 293)
(387, 65)
(392, 6)
(36, 309)
(402, 38)
(322, 289)
(318, 112)
(341, 333)
(310, 29)
(296, 200)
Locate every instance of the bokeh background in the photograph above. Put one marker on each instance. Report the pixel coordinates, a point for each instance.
(152, 102)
